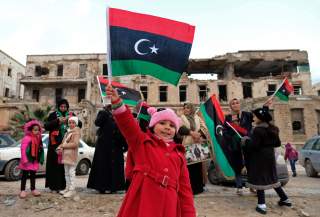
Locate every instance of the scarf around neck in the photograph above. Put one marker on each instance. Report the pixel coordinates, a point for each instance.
(35, 144)
(63, 126)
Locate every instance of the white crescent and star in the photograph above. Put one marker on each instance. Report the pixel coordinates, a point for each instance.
(219, 130)
(153, 49)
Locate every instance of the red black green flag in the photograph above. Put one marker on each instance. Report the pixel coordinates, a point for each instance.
(148, 45)
(284, 91)
(143, 112)
(214, 119)
(128, 95)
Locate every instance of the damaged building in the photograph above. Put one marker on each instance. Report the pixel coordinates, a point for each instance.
(252, 76)
(10, 88)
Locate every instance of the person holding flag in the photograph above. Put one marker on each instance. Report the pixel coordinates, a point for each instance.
(241, 121)
(262, 174)
(191, 130)
(160, 184)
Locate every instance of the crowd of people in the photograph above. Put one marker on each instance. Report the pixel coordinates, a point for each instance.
(155, 155)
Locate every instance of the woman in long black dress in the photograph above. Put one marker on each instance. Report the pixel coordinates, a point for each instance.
(107, 171)
(57, 127)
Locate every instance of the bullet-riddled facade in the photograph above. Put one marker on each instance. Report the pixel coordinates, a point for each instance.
(248, 75)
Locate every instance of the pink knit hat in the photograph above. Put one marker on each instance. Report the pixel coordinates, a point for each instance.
(165, 114)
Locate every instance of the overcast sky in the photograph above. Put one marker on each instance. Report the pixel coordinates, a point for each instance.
(78, 26)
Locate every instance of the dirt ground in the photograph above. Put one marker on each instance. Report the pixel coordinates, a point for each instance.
(218, 201)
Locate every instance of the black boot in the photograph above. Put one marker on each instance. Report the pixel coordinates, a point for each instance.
(294, 174)
(261, 210)
(285, 203)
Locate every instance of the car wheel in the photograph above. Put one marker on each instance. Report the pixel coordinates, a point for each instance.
(12, 171)
(214, 175)
(310, 171)
(83, 167)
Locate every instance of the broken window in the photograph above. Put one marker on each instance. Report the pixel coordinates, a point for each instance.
(222, 93)
(303, 67)
(297, 121)
(163, 93)
(183, 93)
(202, 93)
(58, 94)
(144, 91)
(35, 95)
(41, 71)
(297, 89)
(60, 70)
(247, 89)
(104, 69)
(9, 72)
(6, 92)
(82, 70)
(38, 71)
(271, 89)
(81, 94)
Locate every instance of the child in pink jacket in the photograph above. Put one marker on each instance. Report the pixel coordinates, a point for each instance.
(31, 155)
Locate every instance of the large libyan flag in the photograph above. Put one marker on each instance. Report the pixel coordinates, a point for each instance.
(215, 122)
(148, 45)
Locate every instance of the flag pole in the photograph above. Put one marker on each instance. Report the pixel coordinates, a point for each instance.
(274, 93)
(103, 102)
(233, 129)
(108, 56)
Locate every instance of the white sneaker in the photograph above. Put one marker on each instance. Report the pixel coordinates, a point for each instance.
(69, 194)
(62, 192)
(239, 191)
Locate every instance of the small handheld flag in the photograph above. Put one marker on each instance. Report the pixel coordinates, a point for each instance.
(128, 95)
(148, 45)
(284, 90)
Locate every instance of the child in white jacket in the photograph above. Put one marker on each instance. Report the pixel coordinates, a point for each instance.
(69, 146)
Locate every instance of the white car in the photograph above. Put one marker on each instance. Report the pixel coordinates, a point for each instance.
(10, 157)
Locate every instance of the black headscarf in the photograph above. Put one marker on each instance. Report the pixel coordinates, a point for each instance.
(63, 101)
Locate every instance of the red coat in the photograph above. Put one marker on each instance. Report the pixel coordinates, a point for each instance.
(160, 186)
(129, 166)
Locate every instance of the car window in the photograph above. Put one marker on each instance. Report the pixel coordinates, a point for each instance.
(81, 144)
(6, 140)
(309, 144)
(316, 145)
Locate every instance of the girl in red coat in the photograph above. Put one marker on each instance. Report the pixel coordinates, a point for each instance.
(160, 185)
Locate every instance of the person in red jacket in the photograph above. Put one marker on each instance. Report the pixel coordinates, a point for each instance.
(160, 183)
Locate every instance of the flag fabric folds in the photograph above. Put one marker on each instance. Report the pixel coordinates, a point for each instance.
(214, 119)
(284, 91)
(128, 95)
(143, 112)
(149, 45)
